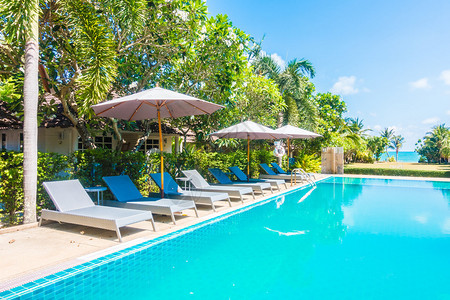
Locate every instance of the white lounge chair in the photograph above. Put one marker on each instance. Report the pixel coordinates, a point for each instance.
(222, 178)
(201, 184)
(74, 206)
(242, 177)
(173, 190)
(128, 196)
(280, 170)
(270, 174)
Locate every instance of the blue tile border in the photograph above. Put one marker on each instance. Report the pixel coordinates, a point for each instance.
(59, 277)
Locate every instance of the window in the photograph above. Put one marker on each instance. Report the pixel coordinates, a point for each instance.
(104, 142)
(3, 141)
(149, 144)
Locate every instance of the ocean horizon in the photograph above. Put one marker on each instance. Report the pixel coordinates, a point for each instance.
(403, 156)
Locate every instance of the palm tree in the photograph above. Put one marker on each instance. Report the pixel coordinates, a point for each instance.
(388, 134)
(440, 135)
(293, 84)
(30, 124)
(397, 143)
(22, 26)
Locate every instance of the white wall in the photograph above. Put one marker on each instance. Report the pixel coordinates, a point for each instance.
(65, 140)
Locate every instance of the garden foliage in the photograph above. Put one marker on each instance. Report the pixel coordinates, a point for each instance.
(91, 165)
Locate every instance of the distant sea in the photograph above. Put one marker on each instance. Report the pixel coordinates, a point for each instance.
(403, 156)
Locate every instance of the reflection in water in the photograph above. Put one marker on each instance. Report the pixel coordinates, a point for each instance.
(307, 194)
(295, 232)
(279, 201)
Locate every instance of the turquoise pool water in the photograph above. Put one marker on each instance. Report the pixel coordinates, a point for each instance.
(346, 239)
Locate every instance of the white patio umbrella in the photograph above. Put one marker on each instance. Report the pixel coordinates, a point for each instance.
(155, 103)
(296, 133)
(251, 131)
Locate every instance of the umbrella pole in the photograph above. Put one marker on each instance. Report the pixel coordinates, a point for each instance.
(248, 158)
(160, 151)
(288, 154)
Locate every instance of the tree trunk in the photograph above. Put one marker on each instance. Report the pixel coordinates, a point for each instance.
(30, 126)
(118, 135)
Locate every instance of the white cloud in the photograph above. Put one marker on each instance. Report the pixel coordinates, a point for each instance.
(377, 127)
(445, 76)
(433, 120)
(280, 62)
(420, 84)
(448, 112)
(345, 86)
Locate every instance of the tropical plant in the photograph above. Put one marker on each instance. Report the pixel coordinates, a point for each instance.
(377, 145)
(435, 145)
(294, 87)
(21, 28)
(396, 143)
(388, 134)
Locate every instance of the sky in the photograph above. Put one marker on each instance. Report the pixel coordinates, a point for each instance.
(389, 60)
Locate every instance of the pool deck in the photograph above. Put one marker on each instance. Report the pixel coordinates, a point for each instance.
(30, 252)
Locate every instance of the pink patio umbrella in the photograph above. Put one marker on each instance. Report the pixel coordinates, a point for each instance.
(155, 103)
(251, 131)
(296, 133)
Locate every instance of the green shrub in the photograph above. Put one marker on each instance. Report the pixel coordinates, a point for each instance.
(51, 166)
(308, 162)
(90, 166)
(396, 172)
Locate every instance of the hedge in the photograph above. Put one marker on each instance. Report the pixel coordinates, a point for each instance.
(91, 165)
(396, 172)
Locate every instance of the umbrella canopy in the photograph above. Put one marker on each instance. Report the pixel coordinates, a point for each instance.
(251, 131)
(144, 105)
(296, 133)
(155, 103)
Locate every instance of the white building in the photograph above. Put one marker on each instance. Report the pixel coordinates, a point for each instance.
(58, 135)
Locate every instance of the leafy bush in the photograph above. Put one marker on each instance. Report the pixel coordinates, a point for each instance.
(90, 166)
(396, 172)
(308, 162)
(51, 166)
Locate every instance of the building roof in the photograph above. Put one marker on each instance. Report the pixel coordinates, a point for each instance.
(8, 120)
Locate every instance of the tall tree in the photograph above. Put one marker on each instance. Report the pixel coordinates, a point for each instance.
(293, 84)
(435, 145)
(21, 25)
(388, 134)
(30, 124)
(396, 143)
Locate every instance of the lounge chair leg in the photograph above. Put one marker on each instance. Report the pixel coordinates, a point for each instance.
(40, 222)
(242, 198)
(173, 219)
(229, 201)
(196, 212)
(253, 194)
(119, 236)
(153, 224)
(271, 189)
(213, 206)
(285, 185)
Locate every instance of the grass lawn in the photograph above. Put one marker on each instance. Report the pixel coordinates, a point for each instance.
(399, 169)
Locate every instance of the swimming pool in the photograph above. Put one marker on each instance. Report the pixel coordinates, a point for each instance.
(348, 238)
